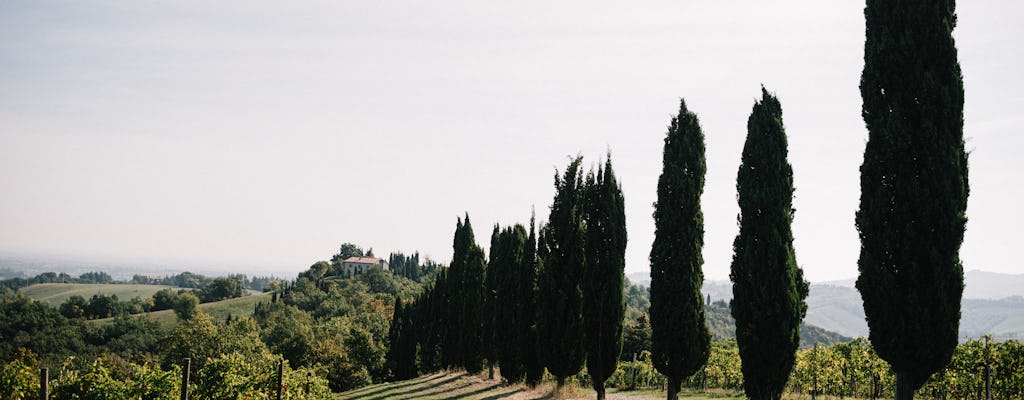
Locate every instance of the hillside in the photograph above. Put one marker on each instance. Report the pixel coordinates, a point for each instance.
(459, 385)
(218, 310)
(837, 307)
(57, 293)
(724, 327)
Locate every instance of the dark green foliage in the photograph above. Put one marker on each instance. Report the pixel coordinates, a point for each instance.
(401, 356)
(187, 280)
(95, 277)
(561, 320)
(454, 303)
(407, 266)
(508, 259)
(603, 304)
(680, 337)
(494, 275)
(187, 306)
(914, 187)
(472, 331)
(347, 250)
(768, 286)
(527, 312)
(222, 289)
(38, 327)
(636, 338)
(431, 320)
(74, 307)
(463, 339)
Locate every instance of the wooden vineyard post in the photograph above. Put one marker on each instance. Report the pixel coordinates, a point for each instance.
(184, 378)
(44, 384)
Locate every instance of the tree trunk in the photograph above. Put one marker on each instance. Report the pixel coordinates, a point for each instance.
(903, 389)
(490, 371)
(599, 388)
(673, 388)
(559, 382)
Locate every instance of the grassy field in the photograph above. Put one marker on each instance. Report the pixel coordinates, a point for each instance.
(459, 385)
(57, 293)
(238, 307)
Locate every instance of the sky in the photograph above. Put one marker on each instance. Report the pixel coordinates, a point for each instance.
(262, 135)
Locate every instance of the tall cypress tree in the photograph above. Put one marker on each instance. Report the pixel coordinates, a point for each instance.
(391, 358)
(405, 346)
(914, 187)
(506, 264)
(451, 349)
(561, 319)
(429, 321)
(681, 340)
(492, 279)
(603, 304)
(471, 330)
(768, 286)
(528, 317)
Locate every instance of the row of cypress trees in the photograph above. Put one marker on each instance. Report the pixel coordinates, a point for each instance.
(911, 220)
(481, 312)
(768, 286)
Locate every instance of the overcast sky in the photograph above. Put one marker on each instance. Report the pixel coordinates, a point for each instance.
(260, 135)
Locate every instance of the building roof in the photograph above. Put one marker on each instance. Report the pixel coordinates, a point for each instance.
(363, 260)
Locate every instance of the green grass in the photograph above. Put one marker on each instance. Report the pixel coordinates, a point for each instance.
(57, 293)
(460, 386)
(219, 310)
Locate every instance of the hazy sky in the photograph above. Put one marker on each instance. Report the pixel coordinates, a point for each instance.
(262, 135)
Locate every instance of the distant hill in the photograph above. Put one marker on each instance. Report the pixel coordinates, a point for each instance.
(57, 293)
(992, 285)
(977, 285)
(723, 326)
(218, 310)
(993, 304)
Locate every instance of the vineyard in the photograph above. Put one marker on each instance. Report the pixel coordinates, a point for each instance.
(849, 369)
(852, 369)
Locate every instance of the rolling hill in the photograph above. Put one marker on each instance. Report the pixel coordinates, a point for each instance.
(993, 305)
(219, 310)
(57, 293)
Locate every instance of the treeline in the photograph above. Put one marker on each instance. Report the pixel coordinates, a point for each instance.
(54, 277)
(525, 307)
(332, 333)
(183, 301)
(184, 280)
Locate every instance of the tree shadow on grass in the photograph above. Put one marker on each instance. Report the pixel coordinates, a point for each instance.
(420, 391)
(502, 395)
(431, 380)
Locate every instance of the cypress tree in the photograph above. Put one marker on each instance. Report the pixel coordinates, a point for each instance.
(914, 187)
(506, 266)
(604, 306)
(407, 361)
(402, 353)
(451, 347)
(528, 339)
(492, 279)
(561, 319)
(768, 286)
(471, 331)
(427, 316)
(681, 340)
(391, 358)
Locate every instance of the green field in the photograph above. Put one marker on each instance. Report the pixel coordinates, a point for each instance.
(219, 310)
(57, 293)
